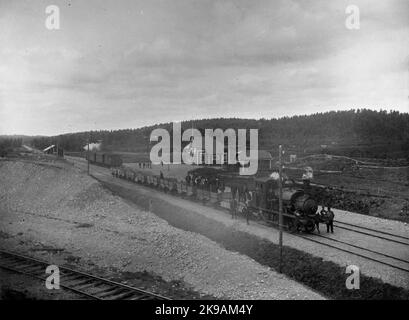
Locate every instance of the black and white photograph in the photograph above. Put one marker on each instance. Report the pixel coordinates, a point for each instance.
(204, 154)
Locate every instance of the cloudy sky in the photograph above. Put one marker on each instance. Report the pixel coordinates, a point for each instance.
(125, 64)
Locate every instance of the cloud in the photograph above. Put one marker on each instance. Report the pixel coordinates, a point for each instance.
(143, 62)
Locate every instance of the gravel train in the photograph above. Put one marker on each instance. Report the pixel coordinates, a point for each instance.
(254, 197)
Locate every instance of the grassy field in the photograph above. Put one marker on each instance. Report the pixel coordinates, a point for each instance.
(369, 186)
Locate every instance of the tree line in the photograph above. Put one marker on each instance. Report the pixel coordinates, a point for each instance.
(339, 131)
(8, 145)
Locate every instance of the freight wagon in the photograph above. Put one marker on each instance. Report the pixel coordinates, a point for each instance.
(104, 159)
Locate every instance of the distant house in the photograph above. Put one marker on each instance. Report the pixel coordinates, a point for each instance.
(265, 160)
(53, 149)
(50, 149)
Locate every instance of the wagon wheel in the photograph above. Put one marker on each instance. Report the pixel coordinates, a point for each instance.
(309, 226)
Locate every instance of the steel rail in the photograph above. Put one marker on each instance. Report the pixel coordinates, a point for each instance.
(29, 266)
(372, 235)
(362, 248)
(354, 253)
(373, 230)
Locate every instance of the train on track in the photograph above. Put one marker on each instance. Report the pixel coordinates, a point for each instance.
(104, 159)
(254, 197)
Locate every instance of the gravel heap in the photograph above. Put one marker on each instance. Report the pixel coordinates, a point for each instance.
(65, 209)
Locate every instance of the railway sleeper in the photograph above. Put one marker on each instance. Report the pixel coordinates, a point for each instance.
(106, 292)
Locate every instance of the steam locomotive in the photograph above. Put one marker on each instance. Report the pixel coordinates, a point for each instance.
(299, 203)
(261, 197)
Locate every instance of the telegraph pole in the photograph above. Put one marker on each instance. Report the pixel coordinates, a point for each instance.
(280, 205)
(88, 155)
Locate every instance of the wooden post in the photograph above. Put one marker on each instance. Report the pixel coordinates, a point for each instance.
(280, 206)
(150, 205)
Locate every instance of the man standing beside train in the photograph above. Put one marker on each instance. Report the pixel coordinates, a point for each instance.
(330, 221)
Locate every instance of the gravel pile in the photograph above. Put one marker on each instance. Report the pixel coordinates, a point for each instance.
(64, 209)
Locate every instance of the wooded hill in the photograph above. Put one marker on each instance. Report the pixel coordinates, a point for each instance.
(359, 133)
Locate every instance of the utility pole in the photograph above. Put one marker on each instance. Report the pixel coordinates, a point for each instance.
(88, 155)
(280, 205)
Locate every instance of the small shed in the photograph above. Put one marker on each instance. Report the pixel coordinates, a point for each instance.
(50, 149)
(53, 149)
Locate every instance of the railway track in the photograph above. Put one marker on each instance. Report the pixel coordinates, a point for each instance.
(340, 242)
(357, 253)
(372, 232)
(81, 283)
(343, 245)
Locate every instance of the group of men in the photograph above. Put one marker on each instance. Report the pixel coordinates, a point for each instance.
(327, 217)
(143, 165)
(203, 182)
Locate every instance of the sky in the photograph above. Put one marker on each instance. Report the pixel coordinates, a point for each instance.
(127, 64)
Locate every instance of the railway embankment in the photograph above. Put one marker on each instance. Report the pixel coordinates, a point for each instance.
(60, 215)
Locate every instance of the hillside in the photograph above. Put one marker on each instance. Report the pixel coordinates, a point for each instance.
(358, 133)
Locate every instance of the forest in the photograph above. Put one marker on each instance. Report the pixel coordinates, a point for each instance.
(359, 133)
(8, 145)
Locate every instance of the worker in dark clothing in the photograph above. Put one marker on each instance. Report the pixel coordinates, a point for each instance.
(317, 222)
(248, 197)
(297, 224)
(330, 221)
(270, 199)
(234, 204)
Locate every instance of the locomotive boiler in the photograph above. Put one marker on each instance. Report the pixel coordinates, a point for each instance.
(299, 204)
